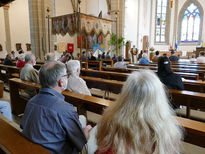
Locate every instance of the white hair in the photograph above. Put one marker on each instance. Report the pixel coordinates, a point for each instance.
(141, 120)
(29, 57)
(144, 55)
(73, 66)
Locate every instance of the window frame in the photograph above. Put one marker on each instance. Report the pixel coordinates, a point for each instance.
(181, 16)
(167, 27)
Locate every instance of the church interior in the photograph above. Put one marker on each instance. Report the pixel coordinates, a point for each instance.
(107, 40)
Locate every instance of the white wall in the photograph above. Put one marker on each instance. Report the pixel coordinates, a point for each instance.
(131, 18)
(19, 23)
(2, 33)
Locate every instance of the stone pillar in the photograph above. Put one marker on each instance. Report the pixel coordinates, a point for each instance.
(7, 28)
(39, 27)
(118, 5)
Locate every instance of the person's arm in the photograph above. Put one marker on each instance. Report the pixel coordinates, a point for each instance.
(180, 84)
(34, 76)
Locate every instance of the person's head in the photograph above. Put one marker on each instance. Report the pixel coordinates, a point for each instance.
(12, 52)
(30, 59)
(193, 56)
(141, 120)
(164, 66)
(50, 56)
(21, 57)
(99, 56)
(103, 53)
(83, 52)
(157, 53)
(53, 75)
(73, 67)
(8, 56)
(202, 53)
(172, 52)
(119, 58)
(71, 53)
(144, 55)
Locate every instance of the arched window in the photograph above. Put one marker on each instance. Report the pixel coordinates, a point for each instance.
(190, 21)
(162, 21)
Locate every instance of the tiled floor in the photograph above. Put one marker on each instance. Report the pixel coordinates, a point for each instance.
(187, 148)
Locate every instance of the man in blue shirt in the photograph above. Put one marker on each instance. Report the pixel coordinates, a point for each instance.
(49, 120)
(173, 57)
(144, 59)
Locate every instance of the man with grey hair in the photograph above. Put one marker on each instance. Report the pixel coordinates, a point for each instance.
(75, 83)
(120, 63)
(28, 73)
(49, 120)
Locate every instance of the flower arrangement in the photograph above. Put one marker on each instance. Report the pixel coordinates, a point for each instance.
(134, 51)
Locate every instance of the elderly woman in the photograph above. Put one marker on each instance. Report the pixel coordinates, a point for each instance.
(75, 83)
(50, 57)
(140, 121)
(144, 59)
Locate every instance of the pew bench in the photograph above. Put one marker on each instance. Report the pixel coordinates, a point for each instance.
(195, 131)
(12, 141)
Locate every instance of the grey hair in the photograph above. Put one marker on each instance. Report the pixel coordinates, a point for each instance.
(50, 56)
(29, 57)
(73, 66)
(144, 55)
(50, 73)
(141, 118)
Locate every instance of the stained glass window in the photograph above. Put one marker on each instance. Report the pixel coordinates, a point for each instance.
(161, 21)
(190, 26)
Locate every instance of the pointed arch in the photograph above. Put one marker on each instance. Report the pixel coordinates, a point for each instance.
(190, 23)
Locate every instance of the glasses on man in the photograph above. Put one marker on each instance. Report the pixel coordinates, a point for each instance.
(66, 75)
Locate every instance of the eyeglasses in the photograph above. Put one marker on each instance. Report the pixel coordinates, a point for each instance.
(66, 75)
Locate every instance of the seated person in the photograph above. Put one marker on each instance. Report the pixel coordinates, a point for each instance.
(114, 57)
(13, 57)
(5, 109)
(156, 57)
(71, 57)
(20, 62)
(84, 56)
(201, 58)
(92, 57)
(8, 61)
(120, 63)
(51, 121)
(166, 75)
(108, 55)
(75, 83)
(140, 121)
(103, 55)
(144, 59)
(29, 73)
(192, 59)
(65, 58)
(173, 57)
(50, 57)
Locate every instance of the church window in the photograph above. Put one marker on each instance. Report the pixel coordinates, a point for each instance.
(161, 22)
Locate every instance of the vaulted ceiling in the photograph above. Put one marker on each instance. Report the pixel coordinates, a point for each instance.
(4, 2)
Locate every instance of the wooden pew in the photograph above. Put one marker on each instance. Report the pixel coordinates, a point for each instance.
(108, 62)
(12, 141)
(94, 64)
(195, 130)
(191, 76)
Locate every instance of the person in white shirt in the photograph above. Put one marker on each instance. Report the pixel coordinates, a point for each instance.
(75, 83)
(201, 58)
(192, 59)
(120, 63)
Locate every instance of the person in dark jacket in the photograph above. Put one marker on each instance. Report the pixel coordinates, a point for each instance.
(8, 61)
(167, 77)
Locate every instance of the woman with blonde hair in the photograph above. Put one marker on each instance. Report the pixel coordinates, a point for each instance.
(141, 121)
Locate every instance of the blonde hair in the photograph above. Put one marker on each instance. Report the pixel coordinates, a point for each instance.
(141, 120)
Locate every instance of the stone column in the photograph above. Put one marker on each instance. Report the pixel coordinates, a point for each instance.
(39, 27)
(7, 28)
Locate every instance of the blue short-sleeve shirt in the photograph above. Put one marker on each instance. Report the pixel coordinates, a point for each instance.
(50, 121)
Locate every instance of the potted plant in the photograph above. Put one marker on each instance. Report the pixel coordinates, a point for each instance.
(151, 52)
(119, 41)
